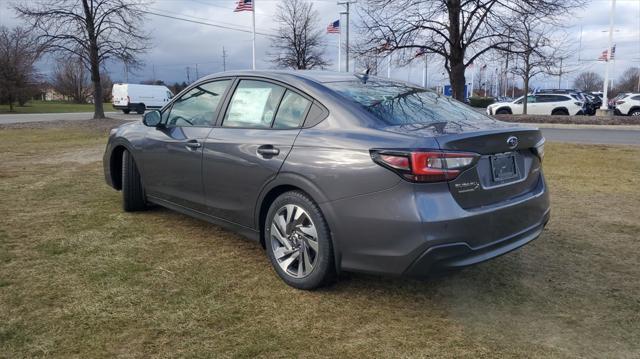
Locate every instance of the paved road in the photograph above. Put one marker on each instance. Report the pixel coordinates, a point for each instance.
(573, 135)
(37, 117)
(592, 136)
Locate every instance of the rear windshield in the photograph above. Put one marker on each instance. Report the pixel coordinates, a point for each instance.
(396, 103)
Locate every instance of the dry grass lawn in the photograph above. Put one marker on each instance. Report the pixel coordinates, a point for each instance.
(80, 278)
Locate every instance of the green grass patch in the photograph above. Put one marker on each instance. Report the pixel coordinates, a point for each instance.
(37, 106)
(80, 278)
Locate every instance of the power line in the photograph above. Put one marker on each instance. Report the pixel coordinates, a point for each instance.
(206, 23)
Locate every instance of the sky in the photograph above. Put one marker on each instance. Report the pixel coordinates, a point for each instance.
(179, 47)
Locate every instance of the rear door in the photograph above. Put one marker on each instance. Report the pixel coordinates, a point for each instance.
(247, 149)
(171, 162)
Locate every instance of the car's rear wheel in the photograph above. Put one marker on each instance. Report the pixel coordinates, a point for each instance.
(133, 198)
(634, 112)
(298, 242)
(126, 111)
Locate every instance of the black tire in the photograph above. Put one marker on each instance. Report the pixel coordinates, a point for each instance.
(140, 109)
(126, 112)
(133, 198)
(324, 271)
(560, 112)
(634, 112)
(503, 111)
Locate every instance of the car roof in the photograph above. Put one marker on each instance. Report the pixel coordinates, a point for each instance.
(319, 76)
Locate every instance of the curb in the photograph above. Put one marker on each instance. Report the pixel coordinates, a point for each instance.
(581, 127)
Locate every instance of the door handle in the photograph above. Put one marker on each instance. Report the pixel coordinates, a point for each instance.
(193, 145)
(268, 151)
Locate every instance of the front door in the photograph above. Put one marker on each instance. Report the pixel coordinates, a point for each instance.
(172, 154)
(243, 154)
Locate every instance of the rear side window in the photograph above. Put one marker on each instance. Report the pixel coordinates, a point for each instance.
(253, 105)
(397, 103)
(291, 111)
(198, 106)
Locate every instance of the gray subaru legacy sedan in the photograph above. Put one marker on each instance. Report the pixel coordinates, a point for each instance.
(336, 171)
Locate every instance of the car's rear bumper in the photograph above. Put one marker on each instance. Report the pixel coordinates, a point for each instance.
(404, 230)
(452, 256)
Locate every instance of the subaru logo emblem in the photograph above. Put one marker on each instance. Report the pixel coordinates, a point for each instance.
(512, 142)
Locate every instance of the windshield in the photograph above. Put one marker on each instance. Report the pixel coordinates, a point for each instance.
(396, 103)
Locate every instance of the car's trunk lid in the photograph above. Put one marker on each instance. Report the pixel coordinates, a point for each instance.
(508, 167)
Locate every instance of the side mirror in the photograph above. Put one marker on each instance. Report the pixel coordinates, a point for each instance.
(152, 118)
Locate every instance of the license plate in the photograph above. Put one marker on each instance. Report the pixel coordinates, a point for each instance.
(504, 167)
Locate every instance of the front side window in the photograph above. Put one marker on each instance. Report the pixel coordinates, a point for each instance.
(253, 105)
(198, 106)
(291, 111)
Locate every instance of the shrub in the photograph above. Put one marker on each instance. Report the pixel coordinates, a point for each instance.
(481, 101)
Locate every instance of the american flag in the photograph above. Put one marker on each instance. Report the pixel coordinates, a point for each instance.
(244, 5)
(613, 53)
(604, 56)
(333, 27)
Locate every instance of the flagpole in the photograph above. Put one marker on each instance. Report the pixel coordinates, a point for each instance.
(253, 33)
(339, 48)
(605, 104)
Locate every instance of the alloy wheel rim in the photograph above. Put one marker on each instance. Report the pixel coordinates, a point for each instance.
(294, 240)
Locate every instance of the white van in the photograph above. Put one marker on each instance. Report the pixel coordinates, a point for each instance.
(134, 97)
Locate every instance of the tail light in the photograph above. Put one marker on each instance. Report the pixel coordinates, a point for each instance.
(425, 166)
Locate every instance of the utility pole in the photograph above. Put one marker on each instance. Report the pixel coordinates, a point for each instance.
(224, 60)
(425, 72)
(197, 74)
(188, 78)
(560, 75)
(604, 109)
(346, 40)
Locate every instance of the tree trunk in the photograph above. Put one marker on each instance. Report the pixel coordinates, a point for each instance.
(98, 111)
(457, 81)
(456, 51)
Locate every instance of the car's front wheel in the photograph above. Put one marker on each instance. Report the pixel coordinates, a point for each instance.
(133, 198)
(298, 242)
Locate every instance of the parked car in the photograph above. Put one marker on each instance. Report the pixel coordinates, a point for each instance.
(628, 105)
(337, 172)
(590, 103)
(540, 104)
(612, 101)
(139, 98)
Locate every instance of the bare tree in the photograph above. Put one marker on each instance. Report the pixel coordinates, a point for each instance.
(19, 50)
(299, 43)
(588, 81)
(534, 50)
(457, 30)
(71, 80)
(95, 31)
(629, 81)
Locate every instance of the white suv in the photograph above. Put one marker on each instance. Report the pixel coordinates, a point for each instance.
(540, 104)
(628, 105)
